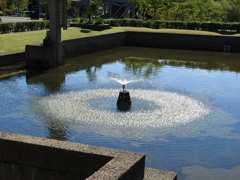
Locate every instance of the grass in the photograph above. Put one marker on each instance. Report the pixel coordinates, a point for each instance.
(16, 42)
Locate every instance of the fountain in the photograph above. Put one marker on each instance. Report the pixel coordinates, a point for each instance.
(177, 111)
(124, 100)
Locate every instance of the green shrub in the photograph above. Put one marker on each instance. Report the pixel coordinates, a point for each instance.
(89, 16)
(111, 22)
(122, 22)
(73, 20)
(6, 27)
(147, 24)
(191, 25)
(23, 26)
(82, 19)
(19, 26)
(99, 20)
(1, 13)
(139, 23)
(235, 26)
(155, 24)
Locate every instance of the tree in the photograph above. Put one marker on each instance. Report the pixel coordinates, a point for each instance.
(144, 7)
(21, 4)
(233, 10)
(3, 5)
(166, 6)
(89, 15)
(94, 8)
(154, 6)
(186, 10)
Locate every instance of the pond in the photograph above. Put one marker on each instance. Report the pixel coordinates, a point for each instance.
(185, 113)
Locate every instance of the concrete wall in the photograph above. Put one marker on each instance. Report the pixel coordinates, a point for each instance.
(183, 41)
(32, 158)
(79, 46)
(12, 58)
(75, 47)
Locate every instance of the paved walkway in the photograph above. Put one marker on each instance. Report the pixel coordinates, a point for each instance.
(15, 19)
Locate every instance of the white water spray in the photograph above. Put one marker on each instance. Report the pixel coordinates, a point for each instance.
(173, 109)
(123, 81)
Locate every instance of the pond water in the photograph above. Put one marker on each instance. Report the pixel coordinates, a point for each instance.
(185, 113)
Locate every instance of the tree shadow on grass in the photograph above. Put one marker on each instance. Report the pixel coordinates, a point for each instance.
(85, 31)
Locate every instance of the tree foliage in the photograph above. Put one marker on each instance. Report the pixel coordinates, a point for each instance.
(179, 10)
(3, 5)
(21, 4)
(190, 10)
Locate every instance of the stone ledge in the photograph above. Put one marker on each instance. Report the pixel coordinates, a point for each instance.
(153, 174)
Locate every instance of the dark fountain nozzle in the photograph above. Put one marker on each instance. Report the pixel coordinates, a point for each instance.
(124, 100)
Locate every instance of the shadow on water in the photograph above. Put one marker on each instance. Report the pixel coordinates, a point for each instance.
(51, 79)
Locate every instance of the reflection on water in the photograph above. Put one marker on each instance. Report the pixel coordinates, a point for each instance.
(57, 130)
(195, 172)
(208, 145)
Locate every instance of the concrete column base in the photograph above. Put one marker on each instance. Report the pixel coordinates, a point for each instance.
(44, 57)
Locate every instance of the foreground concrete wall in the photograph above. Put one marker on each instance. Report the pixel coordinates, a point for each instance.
(27, 157)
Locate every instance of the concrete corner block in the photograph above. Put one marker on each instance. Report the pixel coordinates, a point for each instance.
(28, 157)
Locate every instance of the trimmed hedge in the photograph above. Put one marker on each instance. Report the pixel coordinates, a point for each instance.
(23, 26)
(191, 25)
(155, 24)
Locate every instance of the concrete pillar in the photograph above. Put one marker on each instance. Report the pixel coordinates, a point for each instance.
(110, 9)
(105, 10)
(55, 31)
(133, 12)
(40, 8)
(86, 6)
(52, 52)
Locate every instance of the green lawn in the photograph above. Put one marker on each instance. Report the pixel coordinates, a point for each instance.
(16, 42)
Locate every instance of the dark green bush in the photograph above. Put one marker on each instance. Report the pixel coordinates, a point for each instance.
(6, 27)
(235, 26)
(156, 24)
(73, 19)
(147, 24)
(99, 21)
(82, 19)
(23, 26)
(191, 25)
(111, 22)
